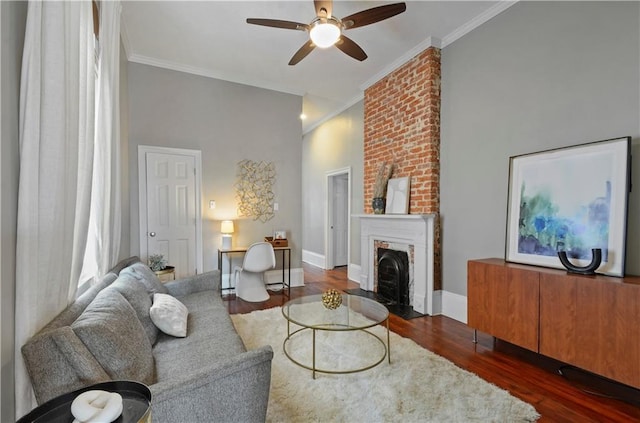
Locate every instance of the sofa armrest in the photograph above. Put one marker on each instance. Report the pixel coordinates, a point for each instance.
(236, 389)
(203, 282)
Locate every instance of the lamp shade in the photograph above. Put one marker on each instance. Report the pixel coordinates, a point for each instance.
(226, 227)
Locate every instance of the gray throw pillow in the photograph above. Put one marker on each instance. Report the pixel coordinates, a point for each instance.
(112, 332)
(144, 274)
(136, 293)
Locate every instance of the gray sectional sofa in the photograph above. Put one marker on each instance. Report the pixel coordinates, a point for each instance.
(107, 334)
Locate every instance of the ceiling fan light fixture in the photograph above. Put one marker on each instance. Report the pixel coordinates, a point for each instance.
(325, 32)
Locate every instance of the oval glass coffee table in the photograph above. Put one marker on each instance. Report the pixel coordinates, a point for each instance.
(332, 334)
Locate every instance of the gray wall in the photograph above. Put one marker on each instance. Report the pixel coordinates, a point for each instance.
(541, 75)
(336, 144)
(228, 123)
(13, 23)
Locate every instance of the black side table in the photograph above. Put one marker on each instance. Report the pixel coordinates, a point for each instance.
(136, 404)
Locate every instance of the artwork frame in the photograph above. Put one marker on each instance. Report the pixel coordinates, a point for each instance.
(587, 210)
(279, 234)
(397, 200)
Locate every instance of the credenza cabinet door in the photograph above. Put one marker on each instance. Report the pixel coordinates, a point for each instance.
(592, 323)
(503, 301)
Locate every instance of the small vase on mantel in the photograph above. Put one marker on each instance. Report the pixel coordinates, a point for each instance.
(378, 204)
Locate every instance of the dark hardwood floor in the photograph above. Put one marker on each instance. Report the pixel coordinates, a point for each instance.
(528, 376)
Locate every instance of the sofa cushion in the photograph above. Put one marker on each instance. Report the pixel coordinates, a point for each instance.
(47, 356)
(169, 315)
(111, 331)
(144, 274)
(204, 300)
(71, 313)
(84, 363)
(211, 339)
(136, 293)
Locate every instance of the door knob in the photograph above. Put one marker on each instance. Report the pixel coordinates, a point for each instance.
(152, 234)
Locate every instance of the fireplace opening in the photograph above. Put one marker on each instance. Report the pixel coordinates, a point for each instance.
(393, 277)
(393, 280)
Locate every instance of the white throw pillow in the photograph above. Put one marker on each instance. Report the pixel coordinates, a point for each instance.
(169, 315)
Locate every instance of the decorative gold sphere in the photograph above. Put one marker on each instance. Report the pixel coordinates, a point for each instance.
(332, 299)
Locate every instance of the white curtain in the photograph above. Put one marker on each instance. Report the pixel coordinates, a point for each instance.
(56, 155)
(104, 233)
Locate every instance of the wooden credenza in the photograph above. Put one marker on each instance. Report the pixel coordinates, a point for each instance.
(591, 322)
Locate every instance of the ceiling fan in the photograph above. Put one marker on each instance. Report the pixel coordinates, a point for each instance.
(326, 30)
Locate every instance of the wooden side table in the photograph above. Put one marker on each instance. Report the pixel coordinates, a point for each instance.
(166, 274)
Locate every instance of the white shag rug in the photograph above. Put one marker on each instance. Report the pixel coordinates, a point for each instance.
(418, 385)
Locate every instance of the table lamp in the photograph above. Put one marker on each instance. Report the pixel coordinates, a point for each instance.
(227, 229)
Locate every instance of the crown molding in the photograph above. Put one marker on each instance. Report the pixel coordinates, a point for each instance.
(166, 64)
(124, 37)
(466, 28)
(438, 43)
(429, 42)
(334, 113)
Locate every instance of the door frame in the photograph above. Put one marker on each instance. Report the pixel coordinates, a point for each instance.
(328, 214)
(142, 195)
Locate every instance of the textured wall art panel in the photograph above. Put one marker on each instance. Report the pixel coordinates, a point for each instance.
(254, 189)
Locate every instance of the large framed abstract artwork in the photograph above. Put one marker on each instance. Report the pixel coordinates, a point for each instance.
(571, 199)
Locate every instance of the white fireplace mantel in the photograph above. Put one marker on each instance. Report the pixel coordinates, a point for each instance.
(411, 229)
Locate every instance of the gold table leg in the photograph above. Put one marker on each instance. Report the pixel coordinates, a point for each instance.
(314, 368)
(388, 342)
(314, 354)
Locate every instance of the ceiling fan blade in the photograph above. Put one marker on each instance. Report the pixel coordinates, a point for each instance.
(302, 52)
(275, 23)
(348, 46)
(327, 5)
(376, 14)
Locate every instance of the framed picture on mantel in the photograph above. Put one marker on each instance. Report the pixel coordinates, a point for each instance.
(397, 196)
(571, 199)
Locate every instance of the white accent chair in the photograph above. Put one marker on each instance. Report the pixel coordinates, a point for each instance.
(249, 281)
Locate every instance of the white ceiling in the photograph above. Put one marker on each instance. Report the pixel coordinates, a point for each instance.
(212, 38)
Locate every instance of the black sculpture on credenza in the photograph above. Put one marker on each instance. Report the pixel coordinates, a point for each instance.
(589, 269)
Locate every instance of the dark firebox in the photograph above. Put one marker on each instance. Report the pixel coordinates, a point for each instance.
(393, 276)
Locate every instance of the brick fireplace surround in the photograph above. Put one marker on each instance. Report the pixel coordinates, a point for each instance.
(402, 126)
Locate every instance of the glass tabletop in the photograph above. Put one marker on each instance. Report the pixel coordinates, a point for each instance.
(354, 313)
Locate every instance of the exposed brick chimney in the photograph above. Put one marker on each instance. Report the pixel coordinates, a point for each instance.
(402, 126)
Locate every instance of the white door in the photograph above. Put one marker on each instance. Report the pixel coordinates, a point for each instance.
(172, 210)
(340, 220)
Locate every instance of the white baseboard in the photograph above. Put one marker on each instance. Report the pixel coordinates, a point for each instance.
(454, 306)
(313, 259)
(436, 302)
(450, 304)
(273, 276)
(353, 273)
